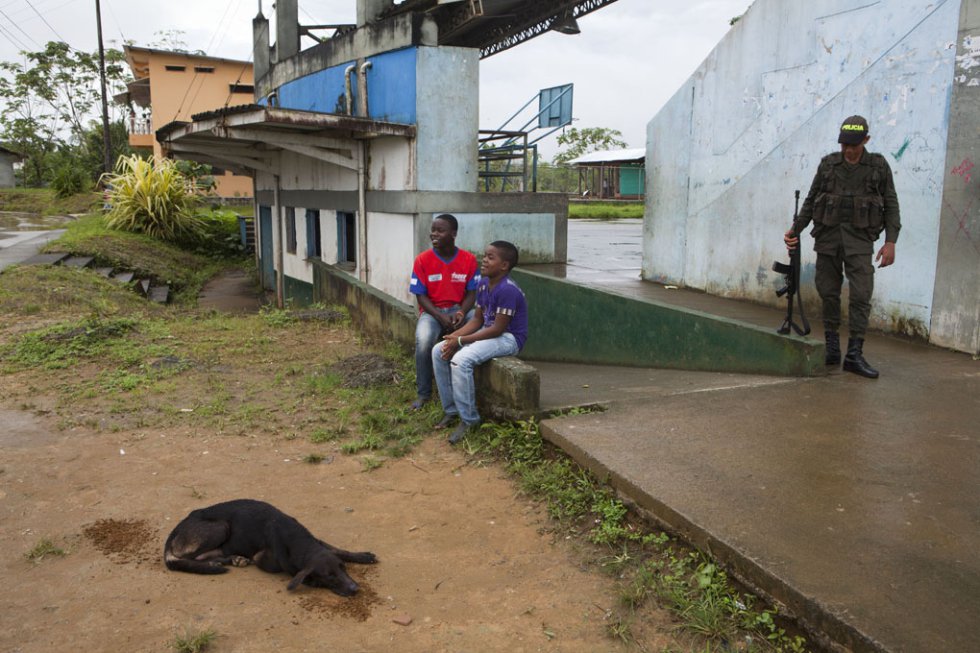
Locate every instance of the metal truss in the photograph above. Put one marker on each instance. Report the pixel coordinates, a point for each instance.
(533, 22)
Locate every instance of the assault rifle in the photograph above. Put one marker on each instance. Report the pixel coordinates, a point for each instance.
(792, 287)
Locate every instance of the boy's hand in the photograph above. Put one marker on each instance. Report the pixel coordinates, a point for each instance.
(449, 346)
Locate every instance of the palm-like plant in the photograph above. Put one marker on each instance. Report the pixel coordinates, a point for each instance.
(151, 197)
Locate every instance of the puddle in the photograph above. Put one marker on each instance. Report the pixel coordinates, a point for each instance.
(17, 221)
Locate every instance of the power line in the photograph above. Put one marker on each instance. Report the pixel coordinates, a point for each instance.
(10, 37)
(60, 38)
(14, 23)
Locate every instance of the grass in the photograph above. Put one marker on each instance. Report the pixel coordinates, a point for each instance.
(45, 201)
(183, 270)
(43, 549)
(605, 210)
(706, 604)
(193, 642)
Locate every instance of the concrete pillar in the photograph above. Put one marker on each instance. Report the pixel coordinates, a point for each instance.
(955, 319)
(368, 10)
(287, 29)
(260, 46)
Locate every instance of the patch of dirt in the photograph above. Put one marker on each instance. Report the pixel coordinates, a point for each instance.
(365, 370)
(470, 563)
(124, 541)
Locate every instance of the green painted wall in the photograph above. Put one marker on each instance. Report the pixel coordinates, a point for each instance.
(631, 178)
(571, 323)
(297, 293)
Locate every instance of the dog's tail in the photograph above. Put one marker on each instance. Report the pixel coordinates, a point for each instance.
(193, 566)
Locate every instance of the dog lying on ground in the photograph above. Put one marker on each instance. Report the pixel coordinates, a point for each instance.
(244, 532)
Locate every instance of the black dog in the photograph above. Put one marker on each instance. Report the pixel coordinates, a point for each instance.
(245, 531)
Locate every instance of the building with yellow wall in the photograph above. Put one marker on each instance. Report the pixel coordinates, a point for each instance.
(174, 86)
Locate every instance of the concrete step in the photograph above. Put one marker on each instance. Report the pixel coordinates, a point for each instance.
(143, 286)
(77, 261)
(159, 294)
(105, 272)
(123, 277)
(46, 259)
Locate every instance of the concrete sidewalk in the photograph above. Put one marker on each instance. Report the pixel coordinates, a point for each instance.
(855, 502)
(18, 246)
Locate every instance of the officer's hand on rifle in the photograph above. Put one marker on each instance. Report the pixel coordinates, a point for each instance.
(886, 255)
(791, 240)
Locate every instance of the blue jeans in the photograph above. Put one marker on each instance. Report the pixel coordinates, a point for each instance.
(454, 377)
(428, 332)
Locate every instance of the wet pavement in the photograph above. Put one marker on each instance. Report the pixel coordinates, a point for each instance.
(22, 235)
(855, 502)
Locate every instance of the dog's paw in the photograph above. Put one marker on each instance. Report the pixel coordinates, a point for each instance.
(240, 561)
(366, 558)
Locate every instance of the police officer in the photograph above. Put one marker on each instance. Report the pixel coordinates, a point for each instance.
(851, 200)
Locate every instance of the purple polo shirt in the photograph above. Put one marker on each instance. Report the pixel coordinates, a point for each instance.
(506, 298)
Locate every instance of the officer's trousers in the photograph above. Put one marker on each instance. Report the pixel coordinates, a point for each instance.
(860, 273)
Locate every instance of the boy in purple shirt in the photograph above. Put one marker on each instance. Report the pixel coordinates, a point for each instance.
(498, 328)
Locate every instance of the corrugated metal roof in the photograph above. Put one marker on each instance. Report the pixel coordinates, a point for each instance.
(612, 156)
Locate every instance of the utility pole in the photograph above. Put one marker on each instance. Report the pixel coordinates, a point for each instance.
(106, 141)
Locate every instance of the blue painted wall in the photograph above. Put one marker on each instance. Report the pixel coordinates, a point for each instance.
(391, 82)
(322, 91)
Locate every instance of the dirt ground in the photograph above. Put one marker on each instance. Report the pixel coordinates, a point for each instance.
(467, 563)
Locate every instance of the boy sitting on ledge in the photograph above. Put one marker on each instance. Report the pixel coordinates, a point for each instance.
(498, 328)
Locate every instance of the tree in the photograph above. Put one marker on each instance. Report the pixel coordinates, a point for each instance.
(49, 102)
(578, 142)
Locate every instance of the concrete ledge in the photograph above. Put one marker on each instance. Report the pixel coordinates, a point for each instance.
(571, 323)
(507, 388)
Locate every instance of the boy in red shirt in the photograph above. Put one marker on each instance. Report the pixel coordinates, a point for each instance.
(444, 282)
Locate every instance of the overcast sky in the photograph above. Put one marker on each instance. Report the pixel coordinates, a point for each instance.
(627, 62)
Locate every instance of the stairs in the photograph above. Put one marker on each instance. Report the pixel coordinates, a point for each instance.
(246, 226)
(154, 292)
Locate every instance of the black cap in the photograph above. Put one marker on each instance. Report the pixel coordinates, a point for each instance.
(853, 131)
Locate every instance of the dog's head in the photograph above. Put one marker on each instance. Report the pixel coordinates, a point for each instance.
(325, 569)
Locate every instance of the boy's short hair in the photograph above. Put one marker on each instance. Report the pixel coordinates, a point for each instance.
(508, 251)
(451, 219)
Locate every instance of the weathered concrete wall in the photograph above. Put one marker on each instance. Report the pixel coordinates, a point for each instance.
(448, 97)
(750, 126)
(956, 300)
(7, 179)
(576, 324)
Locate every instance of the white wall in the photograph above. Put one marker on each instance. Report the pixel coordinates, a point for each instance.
(750, 126)
(391, 253)
(533, 233)
(390, 164)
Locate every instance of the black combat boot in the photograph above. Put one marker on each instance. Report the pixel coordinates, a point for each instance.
(832, 338)
(854, 361)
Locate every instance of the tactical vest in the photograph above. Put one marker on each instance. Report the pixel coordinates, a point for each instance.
(845, 197)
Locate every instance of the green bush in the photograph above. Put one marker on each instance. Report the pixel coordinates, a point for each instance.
(70, 180)
(154, 198)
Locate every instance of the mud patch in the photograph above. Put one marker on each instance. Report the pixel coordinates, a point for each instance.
(366, 370)
(123, 541)
(328, 604)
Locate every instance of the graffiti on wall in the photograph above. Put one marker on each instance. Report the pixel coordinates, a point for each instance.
(968, 62)
(963, 171)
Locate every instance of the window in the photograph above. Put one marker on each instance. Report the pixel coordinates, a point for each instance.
(176, 69)
(346, 237)
(241, 88)
(313, 249)
(204, 69)
(291, 230)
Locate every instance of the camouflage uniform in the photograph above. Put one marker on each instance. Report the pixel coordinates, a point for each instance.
(849, 205)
